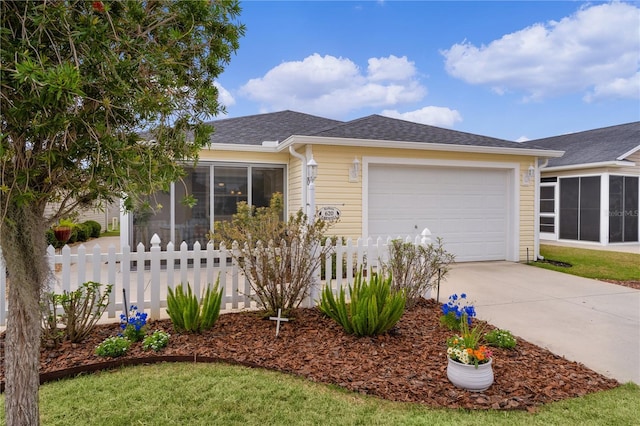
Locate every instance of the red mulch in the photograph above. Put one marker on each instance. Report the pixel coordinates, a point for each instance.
(630, 284)
(408, 364)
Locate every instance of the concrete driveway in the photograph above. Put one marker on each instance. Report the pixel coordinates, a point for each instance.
(584, 320)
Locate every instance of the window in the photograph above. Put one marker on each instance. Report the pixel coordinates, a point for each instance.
(217, 189)
(580, 208)
(623, 209)
(548, 208)
(231, 186)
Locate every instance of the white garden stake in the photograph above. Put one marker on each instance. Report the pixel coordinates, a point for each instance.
(278, 320)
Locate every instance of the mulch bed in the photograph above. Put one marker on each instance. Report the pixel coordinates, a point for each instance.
(408, 364)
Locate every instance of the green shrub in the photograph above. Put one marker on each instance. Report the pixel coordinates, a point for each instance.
(52, 334)
(189, 315)
(51, 239)
(500, 339)
(94, 227)
(415, 268)
(81, 310)
(113, 347)
(279, 258)
(156, 341)
(374, 307)
(82, 232)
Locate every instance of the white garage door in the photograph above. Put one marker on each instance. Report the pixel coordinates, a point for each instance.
(467, 207)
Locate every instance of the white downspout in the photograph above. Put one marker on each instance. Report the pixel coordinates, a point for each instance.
(536, 201)
(303, 184)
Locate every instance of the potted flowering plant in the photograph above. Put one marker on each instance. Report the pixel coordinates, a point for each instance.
(469, 363)
(466, 349)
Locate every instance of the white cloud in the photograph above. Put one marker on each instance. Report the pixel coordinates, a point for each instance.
(594, 51)
(431, 115)
(618, 88)
(224, 96)
(332, 86)
(523, 139)
(391, 68)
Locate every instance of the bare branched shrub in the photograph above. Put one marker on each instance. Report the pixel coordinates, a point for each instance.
(414, 268)
(81, 310)
(278, 258)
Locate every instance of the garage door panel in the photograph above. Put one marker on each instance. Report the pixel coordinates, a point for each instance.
(467, 207)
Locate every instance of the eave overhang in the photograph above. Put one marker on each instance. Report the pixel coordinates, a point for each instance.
(297, 140)
(615, 164)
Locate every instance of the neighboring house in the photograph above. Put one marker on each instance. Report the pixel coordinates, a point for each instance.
(385, 177)
(108, 217)
(591, 193)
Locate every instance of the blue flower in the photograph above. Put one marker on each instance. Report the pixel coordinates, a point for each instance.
(459, 306)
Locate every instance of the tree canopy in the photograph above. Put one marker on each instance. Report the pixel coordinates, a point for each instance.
(81, 81)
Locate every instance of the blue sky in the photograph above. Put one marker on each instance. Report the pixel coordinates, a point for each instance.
(515, 70)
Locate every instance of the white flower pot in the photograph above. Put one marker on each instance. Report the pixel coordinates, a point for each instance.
(469, 377)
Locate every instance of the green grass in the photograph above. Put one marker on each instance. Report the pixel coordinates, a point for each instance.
(217, 394)
(114, 233)
(593, 263)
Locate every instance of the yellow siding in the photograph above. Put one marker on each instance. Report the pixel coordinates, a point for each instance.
(294, 186)
(243, 157)
(333, 187)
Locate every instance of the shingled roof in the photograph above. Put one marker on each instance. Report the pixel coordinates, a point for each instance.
(275, 126)
(278, 126)
(602, 145)
(377, 127)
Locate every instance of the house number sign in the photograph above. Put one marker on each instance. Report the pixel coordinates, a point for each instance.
(329, 214)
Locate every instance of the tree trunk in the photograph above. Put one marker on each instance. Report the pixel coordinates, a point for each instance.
(24, 249)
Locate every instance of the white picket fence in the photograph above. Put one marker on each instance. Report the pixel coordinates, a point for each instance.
(144, 275)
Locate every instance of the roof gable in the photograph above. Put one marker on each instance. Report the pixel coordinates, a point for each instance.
(607, 144)
(276, 126)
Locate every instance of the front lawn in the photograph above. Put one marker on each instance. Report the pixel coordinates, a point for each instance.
(598, 264)
(218, 394)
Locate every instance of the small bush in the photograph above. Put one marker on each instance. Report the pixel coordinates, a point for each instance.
(113, 347)
(374, 307)
(414, 268)
(156, 341)
(81, 310)
(279, 258)
(51, 239)
(52, 335)
(189, 315)
(94, 228)
(82, 231)
(500, 339)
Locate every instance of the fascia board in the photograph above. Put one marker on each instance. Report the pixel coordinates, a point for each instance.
(588, 166)
(373, 143)
(242, 147)
(628, 153)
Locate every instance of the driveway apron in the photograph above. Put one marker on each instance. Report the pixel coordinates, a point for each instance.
(584, 320)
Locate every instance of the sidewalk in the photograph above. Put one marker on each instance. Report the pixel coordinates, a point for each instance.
(584, 320)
